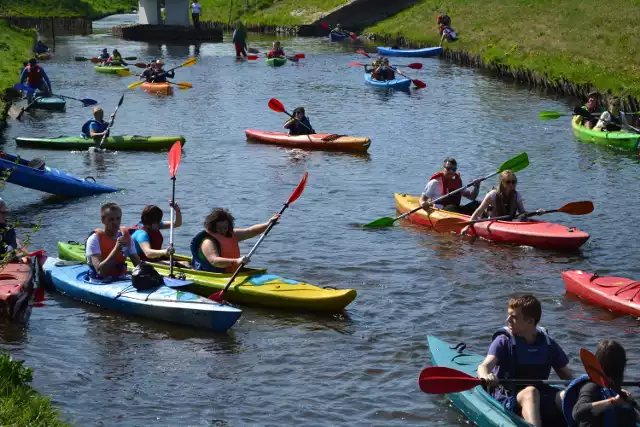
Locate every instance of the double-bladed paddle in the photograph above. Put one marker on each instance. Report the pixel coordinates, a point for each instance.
(175, 154)
(182, 85)
(418, 83)
(96, 60)
(218, 296)
(113, 119)
(278, 107)
(352, 35)
(572, 208)
(515, 164)
(552, 115)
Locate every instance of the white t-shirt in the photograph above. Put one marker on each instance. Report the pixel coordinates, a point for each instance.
(93, 248)
(195, 8)
(492, 198)
(433, 190)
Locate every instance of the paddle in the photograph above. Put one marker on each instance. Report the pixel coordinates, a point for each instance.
(23, 109)
(188, 63)
(124, 73)
(86, 102)
(515, 164)
(572, 208)
(113, 119)
(294, 196)
(278, 107)
(175, 154)
(352, 35)
(413, 65)
(136, 84)
(252, 57)
(182, 85)
(419, 83)
(596, 374)
(552, 115)
(362, 52)
(141, 65)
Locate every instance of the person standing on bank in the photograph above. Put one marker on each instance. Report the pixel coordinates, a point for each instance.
(195, 13)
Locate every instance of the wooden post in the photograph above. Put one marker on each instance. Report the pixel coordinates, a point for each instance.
(53, 34)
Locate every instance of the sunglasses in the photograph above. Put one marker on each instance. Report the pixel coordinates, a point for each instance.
(450, 169)
(511, 181)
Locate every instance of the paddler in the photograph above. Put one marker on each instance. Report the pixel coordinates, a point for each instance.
(374, 64)
(586, 404)
(216, 247)
(116, 58)
(444, 27)
(9, 244)
(108, 248)
(239, 39)
(146, 236)
(444, 182)
(104, 55)
(590, 111)
(36, 78)
(95, 127)
(613, 119)
(338, 30)
(276, 51)
(384, 72)
(156, 74)
(299, 124)
(41, 48)
(522, 350)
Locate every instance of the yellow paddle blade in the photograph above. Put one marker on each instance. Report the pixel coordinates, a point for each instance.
(124, 73)
(135, 85)
(184, 85)
(189, 62)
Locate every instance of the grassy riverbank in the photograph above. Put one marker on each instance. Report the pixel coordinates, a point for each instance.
(581, 41)
(66, 8)
(21, 405)
(15, 48)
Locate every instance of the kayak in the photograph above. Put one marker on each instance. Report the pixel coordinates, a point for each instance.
(276, 62)
(316, 141)
(49, 180)
(163, 303)
(476, 404)
(44, 56)
(124, 143)
(539, 234)
(422, 53)
(252, 286)
(110, 69)
(52, 103)
(17, 285)
(162, 88)
(401, 83)
(619, 139)
(337, 37)
(617, 294)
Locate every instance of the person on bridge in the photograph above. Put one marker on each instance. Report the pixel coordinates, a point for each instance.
(276, 51)
(155, 74)
(299, 124)
(239, 39)
(196, 9)
(36, 79)
(41, 48)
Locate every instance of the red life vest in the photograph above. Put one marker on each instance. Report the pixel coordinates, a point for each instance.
(119, 267)
(155, 240)
(448, 187)
(275, 53)
(34, 75)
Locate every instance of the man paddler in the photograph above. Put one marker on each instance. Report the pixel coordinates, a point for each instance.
(445, 182)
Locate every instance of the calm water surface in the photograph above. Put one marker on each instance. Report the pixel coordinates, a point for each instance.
(277, 368)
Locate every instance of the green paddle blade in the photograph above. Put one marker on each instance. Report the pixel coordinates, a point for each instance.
(516, 164)
(550, 115)
(380, 222)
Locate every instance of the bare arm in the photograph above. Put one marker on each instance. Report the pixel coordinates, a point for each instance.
(254, 230)
(152, 253)
(487, 366)
(289, 123)
(211, 254)
(482, 208)
(135, 259)
(177, 221)
(101, 264)
(565, 373)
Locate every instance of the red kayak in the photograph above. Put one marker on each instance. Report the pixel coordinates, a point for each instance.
(613, 293)
(316, 141)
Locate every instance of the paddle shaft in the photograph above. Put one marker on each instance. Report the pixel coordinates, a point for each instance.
(113, 119)
(173, 198)
(22, 110)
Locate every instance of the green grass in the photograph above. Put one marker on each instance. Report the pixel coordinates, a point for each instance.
(21, 405)
(15, 48)
(269, 12)
(65, 8)
(583, 41)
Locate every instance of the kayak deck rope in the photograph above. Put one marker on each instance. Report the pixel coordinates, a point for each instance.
(630, 287)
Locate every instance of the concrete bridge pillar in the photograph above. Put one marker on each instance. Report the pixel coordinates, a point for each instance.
(177, 12)
(149, 12)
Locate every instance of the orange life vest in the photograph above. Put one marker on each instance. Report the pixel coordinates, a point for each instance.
(118, 267)
(227, 247)
(448, 187)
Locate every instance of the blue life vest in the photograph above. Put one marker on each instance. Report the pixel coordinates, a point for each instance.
(86, 131)
(571, 397)
(527, 361)
(198, 261)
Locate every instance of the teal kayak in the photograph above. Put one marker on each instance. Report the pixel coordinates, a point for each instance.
(52, 103)
(401, 83)
(276, 62)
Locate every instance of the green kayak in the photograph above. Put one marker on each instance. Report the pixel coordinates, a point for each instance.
(110, 69)
(276, 62)
(619, 139)
(124, 143)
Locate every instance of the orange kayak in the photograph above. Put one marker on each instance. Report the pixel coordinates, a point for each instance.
(165, 88)
(316, 141)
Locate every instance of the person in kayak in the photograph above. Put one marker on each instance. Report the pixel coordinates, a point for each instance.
(384, 72)
(108, 248)
(36, 78)
(586, 404)
(299, 124)
(523, 350)
(444, 182)
(444, 27)
(276, 51)
(146, 236)
(104, 55)
(239, 39)
(10, 247)
(41, 48)
(377, 62)
(95, 127)
(216, 247)
(613, 119)
(116, 59)
(156, 74)
(338, 30)
(590, 111)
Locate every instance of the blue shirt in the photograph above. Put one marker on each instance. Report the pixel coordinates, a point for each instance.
(97, 127)
(138, 237)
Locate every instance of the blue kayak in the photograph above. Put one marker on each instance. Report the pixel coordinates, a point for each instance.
(163, 303)
(421, 53)
(402, 83)
(49, 180)
(336, 37)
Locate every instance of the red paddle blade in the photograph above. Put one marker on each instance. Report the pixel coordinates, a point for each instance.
(356, 64)
(276, 105)
(38, 296)
(37, 253)
(593, 368)
(252, 57)
(299, 189)
(353, 36)
(300, 55)
(362, 52)
(217, 297)
(419, 84)
(324, 25)
(442, 380)
(415, 66)
(175, 154)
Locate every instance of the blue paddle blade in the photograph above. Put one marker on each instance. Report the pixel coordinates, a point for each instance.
(175, 283)
(25, 88)
(87, 102)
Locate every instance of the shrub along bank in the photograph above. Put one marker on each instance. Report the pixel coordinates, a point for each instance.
(66, 8)
(15, 47)
(583, 41)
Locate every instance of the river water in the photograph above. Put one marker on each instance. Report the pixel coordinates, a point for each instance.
(276, 368)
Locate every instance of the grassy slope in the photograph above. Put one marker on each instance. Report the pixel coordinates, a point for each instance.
(15, 48)
(269, 12)
(64, 8)
(584, 41)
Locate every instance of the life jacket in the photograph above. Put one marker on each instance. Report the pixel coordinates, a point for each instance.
(571, 397)
(8, 241)
(448, 187)
(527, 361)
(34, 75)
(119, 267)
(505, 207)
(273, 53)
(155, 239)
(445, 20)
(298, 127)
(227, 247)
(615, 123)
(86, 128)
(600, 109)
(116, 58)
